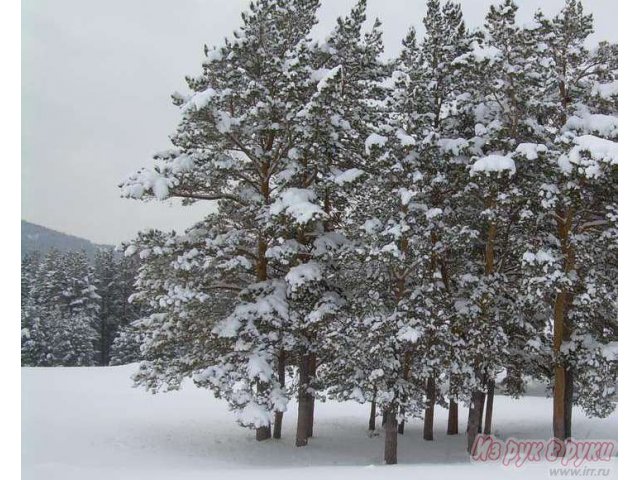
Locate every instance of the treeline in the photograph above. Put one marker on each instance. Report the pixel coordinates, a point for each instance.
(397, 232)
(75, 312)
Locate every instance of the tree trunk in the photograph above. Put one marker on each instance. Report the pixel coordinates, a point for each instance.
(312, 397)
(475, 418)
(559, 387)
(304, 400)
(372, 412)
(481, 414)
(491, 386)
(406, 368)
(391, 438)
(384, 418)
(277, 425)
(561, 417)
(427, 431)
(568, 401)
(263, 433)
(559, 384)
(452, 424)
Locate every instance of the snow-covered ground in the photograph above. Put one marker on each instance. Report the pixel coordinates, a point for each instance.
(88, 423)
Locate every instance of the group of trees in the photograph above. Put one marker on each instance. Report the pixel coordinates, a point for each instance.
(75, 313)
(399, 232)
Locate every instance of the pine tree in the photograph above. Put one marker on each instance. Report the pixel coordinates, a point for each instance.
(59, 313)
(236, 145)
(578, 219)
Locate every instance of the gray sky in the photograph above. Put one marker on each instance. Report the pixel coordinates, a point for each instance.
(96, 81)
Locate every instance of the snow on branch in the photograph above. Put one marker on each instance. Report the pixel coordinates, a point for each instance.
(493, 163)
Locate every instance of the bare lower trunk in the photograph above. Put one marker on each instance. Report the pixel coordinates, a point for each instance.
(312, 397)
(427, 431)
(558, 405)
(384, 418)
(372, 416)
(263, 433)
(475, 418)
(559, 380)
(406, 361)
(372, 412)
(277, 425)
(452, 424)
(561, 331)
(304, 402)
(481, 414)
(391, 439)
(568, 401)
(491, 386)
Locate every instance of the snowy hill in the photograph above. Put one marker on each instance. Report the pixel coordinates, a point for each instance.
(80, 423)
(42, 239)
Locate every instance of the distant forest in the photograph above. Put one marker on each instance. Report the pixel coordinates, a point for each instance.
(75, 301)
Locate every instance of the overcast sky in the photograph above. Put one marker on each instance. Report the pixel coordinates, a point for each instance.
(96, 82)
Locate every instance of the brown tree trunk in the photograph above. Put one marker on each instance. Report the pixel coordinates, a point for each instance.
(372, 412)
(406, 368)
(384, 418)
(475, 418)
(427, 431)
(481, 414)
(391, 438)
(401, 427)
(312, 397)
(277, 425)
(491, 386)
(304, 400)
(568, 401)
(452, 424)
(561, 417)
(263, 433)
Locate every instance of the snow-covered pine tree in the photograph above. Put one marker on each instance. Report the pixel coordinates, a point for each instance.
(331, 132)
(500, 88)
(236, 145)
(58, 318)
(575, 253)
(106, 273)
(389, 303)
(445, 114)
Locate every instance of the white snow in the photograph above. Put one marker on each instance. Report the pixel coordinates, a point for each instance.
(199, 100)
(298, 204)
(347, 176)
(409, 334)
(88, 423)
(541, 256)
(406, 140)
(605, 90)
(371, 226)
(374, 139)
(479, 54)
(323, 76)
(406, 195)
(530, 150)
(588, 153)
(599, 124)
(304, 273)
(453, 146)
(147, 180)
(493, 163)
(254, 414)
